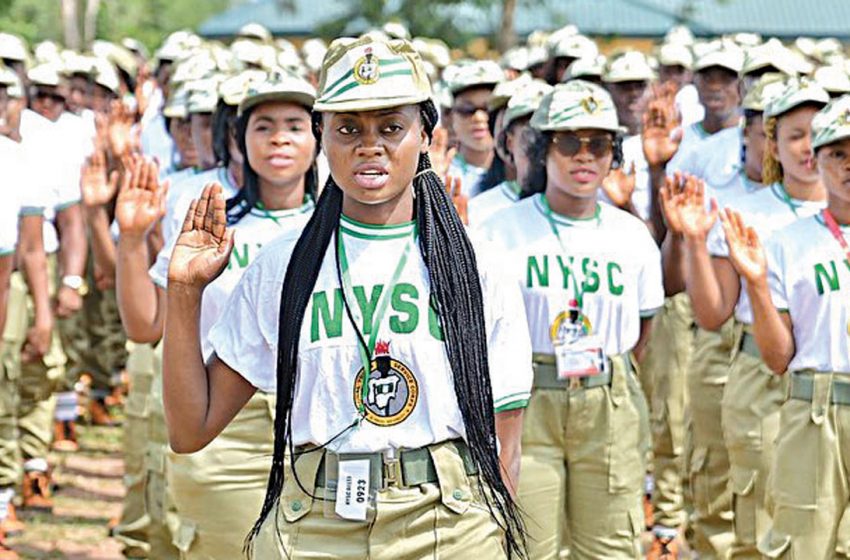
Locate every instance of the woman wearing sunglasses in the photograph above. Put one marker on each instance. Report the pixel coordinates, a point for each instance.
(591, 279)
(741, 383)
(399, 355)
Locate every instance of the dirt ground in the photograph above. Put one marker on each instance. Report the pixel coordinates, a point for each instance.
(88, 494)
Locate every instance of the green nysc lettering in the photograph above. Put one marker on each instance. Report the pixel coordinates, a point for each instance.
(538, 274)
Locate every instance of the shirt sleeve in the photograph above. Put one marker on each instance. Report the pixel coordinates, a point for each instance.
(776, 273)
(508, 340)
(245, 335)
(171, 226)
(8, 225)
(651, 297)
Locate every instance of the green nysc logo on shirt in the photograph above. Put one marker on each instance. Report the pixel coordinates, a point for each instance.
(391, 390)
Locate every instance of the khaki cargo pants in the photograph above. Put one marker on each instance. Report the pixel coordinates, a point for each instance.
(446, 520)
(809, 489)
(663, 374)
(707, 461)
(14, 334)
(218, 492)
(583, 459)
(751, 403)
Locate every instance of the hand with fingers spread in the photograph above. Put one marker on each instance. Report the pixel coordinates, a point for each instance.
(459, 200)
(144, 84)
(120, 128)
(204, 245)
(619, 186)
(745, 248)
(661, 133)
(141, 200)
(694, 220)
(97, 190)
(441, 153)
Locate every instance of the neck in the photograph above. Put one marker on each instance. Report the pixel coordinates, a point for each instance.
(478, 158)
(398, 210)
(571, 206)
(716, 123)
(752, 170)
(840, 210)
(236, 173)
(510, 172)
(282, 196)
(801, 190)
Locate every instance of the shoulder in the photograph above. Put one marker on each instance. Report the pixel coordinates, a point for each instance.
(797, 236)
(509, 221)
(274, 256)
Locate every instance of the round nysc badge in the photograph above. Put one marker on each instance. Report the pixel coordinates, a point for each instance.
(392, 390)
(570, 325)
(367, 70)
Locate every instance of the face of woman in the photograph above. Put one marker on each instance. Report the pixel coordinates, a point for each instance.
(202, 138)
(834, 165)
(280, 143)
(373, 155)
(754, 139)
(578, 169)
(497, 130)
(470, 119)
(517, 143)
(793, 147)
(48, 102)
(181, 133)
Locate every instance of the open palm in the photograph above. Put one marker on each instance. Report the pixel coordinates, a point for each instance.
(660, 134)
(619, 186)
(141, 201)
(97, 190)
(745, 248)
(203, 247)
(696, 222)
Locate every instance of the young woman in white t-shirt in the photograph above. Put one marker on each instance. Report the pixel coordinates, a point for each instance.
(399, 356)
(798, 289)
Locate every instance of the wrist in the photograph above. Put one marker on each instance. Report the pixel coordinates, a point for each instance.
(132, 239)
(695, 240)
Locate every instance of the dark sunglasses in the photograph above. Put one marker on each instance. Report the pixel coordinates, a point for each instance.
(50, 95)
(569, 144)
(469, 110)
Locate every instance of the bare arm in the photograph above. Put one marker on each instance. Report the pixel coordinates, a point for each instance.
(712, 285)
(509, 432)
(6, 265)
(73, 251)
(97, 192)
(33, 263)
(772, 329)
(645, 329)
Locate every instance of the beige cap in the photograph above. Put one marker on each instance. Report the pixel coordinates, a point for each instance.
(746, 40)
(370, 73)
(8, 77)
(629, 66)
(117, 55)
(13, 47)
(77, 64)
(574, 46)
(515, 59)
(136, 47)
(795, 92)
(679, 35)
(834, 79)
(586, 67)
(722, 53)
(47, 74)
(313, 52)
(176, 107)
(537, 55)
(396, 30)
(767, 87)
(279, 86)
(473, 73)
(47, 51)
(506, 89)
(525, 101)
(832, 123)
(256, 31)
(576, 105)
(675, 54)
(253, 52)
(106, 76)
(772, 53)
(232, 90)
(203, 95)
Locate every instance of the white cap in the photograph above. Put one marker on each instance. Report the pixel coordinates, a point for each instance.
(629, 66)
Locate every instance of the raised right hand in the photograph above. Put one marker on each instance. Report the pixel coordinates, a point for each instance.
(97, 190)
(745, 248)
(661, 134)
(696, 221)
(203, 247)
(141, 200)
(441, 153)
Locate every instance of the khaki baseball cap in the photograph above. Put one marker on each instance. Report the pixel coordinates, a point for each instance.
(256, 31)
(630, 66)
(586, 67)
(47, 74)
(537, 54)
(232, 90)
(176, 107)
(576, 105)
(203, 95)
(13, 47)
(675, 54)
(8, 77)
(679, 35)
(832, 123)
(106, 76)
(371, 73)
(281, 85)
(473, 73)
(833, 78)
(772, 53)
(767, 87)
(573, 46)
(795, 92)
(722, 53)
(506, 89)
(525, 101)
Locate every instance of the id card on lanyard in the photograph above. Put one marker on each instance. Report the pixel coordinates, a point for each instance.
(833, 227)
(578, 351)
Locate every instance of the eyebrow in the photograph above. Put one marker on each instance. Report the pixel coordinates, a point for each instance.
(380, 113)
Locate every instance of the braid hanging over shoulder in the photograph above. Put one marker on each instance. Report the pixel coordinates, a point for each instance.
(456, 296)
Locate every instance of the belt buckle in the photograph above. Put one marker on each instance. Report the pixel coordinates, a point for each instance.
(575, 383)
(393, 475)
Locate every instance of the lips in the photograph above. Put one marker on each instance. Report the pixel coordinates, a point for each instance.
(583, 175)
(371, 176)
(809, 163)
(281, 161)
(479, 133)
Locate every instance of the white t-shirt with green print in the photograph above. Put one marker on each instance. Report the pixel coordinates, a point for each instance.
(411, 398)
(809, 277)
(489, 202)
(252, 232)
(612, 257)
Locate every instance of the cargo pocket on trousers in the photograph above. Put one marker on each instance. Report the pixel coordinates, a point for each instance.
(297, 497)
(184, 535)
(742, 483)
(455, 490)
(697, 477)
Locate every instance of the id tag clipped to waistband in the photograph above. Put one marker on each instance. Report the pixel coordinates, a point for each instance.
(352, 492)
(580, 358)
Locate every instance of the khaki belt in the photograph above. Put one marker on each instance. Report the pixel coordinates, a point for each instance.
(546, 375)
(749, 346)
(802, 388)
(412, 467)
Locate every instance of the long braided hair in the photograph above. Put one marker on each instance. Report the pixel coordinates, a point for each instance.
(457, 298)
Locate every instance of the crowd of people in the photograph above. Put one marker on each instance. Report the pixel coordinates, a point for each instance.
(372, 299)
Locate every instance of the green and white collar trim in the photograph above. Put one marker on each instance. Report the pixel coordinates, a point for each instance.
(277, 215)
(511, 189)
(375, 232)
(591, 222)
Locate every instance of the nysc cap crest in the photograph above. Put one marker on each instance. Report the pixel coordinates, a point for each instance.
(832, 123)
(576, 105)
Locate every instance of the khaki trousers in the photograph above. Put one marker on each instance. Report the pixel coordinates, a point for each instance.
(751, 402)
(446, 520)
(809, 489)
(219, 491)
(14, 334)
(583, 459)
(664, 367)
(707, 459)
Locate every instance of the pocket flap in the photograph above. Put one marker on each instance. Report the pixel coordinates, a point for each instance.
(698, 459)
(742, 481)
(774, 544)
(184, 535)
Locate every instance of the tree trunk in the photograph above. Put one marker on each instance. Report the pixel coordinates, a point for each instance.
(90, 23)
(71, 24)
(506, 38)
